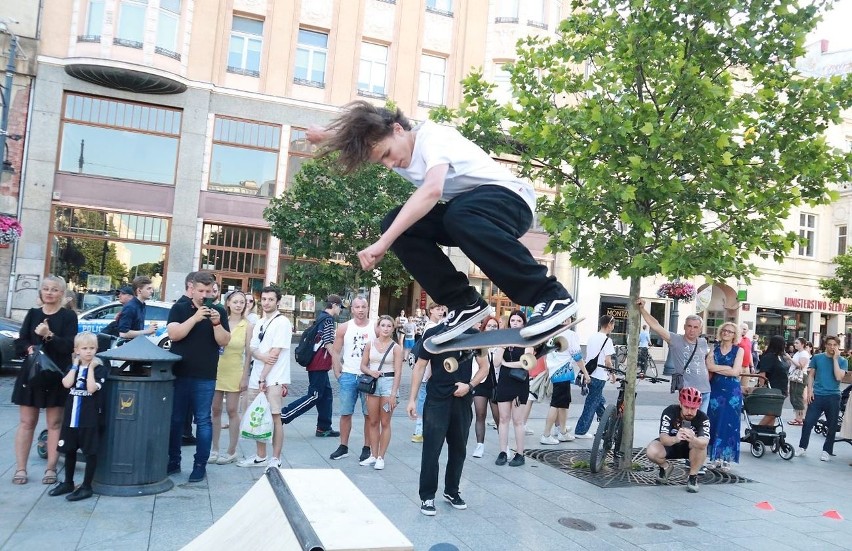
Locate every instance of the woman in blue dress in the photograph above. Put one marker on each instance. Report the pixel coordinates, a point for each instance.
(726, 398)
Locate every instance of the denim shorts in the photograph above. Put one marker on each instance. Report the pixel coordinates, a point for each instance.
(384, 386)
(408, 343)
(349, 394)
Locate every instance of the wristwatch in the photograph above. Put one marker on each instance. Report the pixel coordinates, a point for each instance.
(471, 385)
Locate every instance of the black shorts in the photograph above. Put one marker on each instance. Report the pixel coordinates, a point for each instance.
(678, 451)
(561, 397)
(84, 439)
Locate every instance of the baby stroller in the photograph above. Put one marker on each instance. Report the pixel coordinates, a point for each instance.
(821, 426)
(765, 401)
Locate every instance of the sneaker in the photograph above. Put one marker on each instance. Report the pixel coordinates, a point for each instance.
(417, 438)
(565, 437)
(800, 452)
(665, 472)
(554, 431)
(528, 431)
(379, 464)
(824, 456)
(253, 461)
(692, 484)
(479, 451)
(461, 319)
(227, 458)
(365, 453)
(587, 436)
(517, 461)
(326, 433)
(214, 457)
(548, 440)
(427, 507)
(83, 492)
(702, 471)
(456, 501)
(173, 468)
(367, 462)
(502, 458)
(549, 314)
(188, 440)
(341, 452)
(198, 473)
(491, 424)
(273, 463)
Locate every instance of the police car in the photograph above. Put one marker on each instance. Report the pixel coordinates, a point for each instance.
(96, 319)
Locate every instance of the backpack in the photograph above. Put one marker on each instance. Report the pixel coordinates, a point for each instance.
(305, 349)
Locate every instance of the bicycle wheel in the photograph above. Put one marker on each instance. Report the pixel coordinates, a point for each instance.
(621, 357)
(603, 438)
(650, 367)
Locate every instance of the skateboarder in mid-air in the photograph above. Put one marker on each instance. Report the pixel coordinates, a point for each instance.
(463, 199)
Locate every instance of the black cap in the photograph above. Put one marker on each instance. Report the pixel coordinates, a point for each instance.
(126, 290)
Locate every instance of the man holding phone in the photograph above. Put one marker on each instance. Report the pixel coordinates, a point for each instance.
(684, 434)
(197, 328)
(822, 394)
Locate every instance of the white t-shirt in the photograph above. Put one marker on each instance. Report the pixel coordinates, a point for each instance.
(277, 333)
(593, 346)
(469, 166)
(554, 360)
(355, 338)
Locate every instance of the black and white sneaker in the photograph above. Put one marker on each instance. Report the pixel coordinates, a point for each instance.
(549, 314)
(341, 452)
(461, 319)
(427, 507)
(365, 453)
(692, 484)
(665, 472)
(455, 500)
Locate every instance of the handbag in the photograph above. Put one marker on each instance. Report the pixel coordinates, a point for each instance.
(677, 377)
(564, 374)
(367, 383)
(518, 373)
(592, 364)
(40, 370)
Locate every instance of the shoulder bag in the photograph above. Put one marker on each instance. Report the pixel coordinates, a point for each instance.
(367, 383)
(677, 377)
(592, 364)
(564, 374)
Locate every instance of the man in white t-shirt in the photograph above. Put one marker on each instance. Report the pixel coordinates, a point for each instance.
(270, 371)
(598, 346)
(349, 342)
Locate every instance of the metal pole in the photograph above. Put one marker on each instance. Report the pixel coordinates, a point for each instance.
(7, 94)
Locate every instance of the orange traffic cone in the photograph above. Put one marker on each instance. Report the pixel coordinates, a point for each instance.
(765, 505)
(832, 513)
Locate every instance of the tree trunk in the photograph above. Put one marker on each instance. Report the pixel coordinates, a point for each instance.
(633, 325)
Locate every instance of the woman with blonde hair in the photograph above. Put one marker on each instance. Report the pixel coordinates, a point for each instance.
(382, 359)
(231, 378)
(53, 328)
(726, 399)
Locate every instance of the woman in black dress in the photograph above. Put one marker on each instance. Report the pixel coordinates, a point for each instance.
(483, 394)
(511, 394)
(54, 328)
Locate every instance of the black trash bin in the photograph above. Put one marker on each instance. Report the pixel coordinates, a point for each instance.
(134, 447)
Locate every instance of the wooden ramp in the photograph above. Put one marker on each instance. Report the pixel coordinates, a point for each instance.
(308, 509)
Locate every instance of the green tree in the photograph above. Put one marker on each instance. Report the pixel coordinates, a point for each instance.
(325, 218)
(839, 287)
(678, 135)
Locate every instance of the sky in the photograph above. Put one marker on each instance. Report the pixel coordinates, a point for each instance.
(836, 27)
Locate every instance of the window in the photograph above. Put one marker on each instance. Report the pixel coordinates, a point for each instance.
(311, 53)
(234, 249)
(442, 7)
(841, 239)
(373, 70)
(131, 23)
(433, 72)
(245, 46)
(507, 11)
(300, 150)
(167, 28)
(245, 157)
(89, 245)
(118, 139)
(807, 234)
(502, 82)
(94, 22)
(536, 14)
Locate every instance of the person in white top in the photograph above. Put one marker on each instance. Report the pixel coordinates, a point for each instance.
(797, 376)
(349, 342)
(555, 429)
(270, 372)
(599, 345)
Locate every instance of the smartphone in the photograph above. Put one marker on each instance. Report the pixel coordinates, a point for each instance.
(386, 407)
(208, 302)
(686, 424)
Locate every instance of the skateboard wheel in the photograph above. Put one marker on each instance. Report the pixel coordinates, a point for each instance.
(528, 361)
(451, 365)
(560, 344)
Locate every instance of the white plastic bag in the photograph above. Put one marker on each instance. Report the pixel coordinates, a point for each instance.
(257, 421)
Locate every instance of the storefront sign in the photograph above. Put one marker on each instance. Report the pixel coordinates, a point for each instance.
(617, 313)
(822, 305)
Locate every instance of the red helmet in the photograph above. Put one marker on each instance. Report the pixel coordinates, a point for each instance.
(690, 397)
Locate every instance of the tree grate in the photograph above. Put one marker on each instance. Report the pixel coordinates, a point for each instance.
(643, 473)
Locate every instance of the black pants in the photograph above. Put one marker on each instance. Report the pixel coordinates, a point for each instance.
(486, 224)
(444, 419)
(319, 395)
(830, 405)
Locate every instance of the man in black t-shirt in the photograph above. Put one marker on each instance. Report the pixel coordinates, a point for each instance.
(196, 331)
(684, 434)
(447, 415)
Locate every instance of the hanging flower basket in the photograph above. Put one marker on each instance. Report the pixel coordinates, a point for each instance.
(677, 290)
(10, 230)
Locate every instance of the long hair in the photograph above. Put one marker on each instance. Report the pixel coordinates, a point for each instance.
(228, 302)
(519, 314)
(776, 345)
(354, 133)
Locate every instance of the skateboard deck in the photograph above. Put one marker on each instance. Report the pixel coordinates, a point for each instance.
(478, 343)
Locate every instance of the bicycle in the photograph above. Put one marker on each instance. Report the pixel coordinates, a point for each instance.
(647, 365)
(611, 425)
